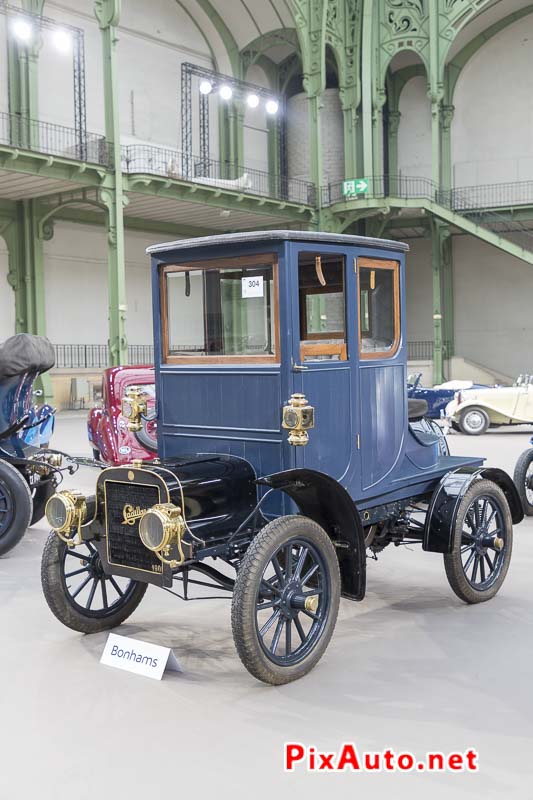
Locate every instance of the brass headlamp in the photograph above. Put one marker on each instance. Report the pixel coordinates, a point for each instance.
(298, 417)
(65, 511)
(161, 527)
(134, 407)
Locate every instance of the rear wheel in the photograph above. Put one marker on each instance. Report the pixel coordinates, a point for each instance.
(15, 506)
(483, 543)
(78, 591)
(523, 478)
(474, 421)
(286, 600)
(41, 492)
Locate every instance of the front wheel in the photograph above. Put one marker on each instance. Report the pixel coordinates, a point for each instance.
(482, 543)
(15, 506)
(523, 478)
(78, 591)
(474, 421)
(286, 600)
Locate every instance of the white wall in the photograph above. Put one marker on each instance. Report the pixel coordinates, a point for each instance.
(493, 317)
(414, 133)
(255, 132)
(76, 285)
(331, 133)
(4, 97)
(7, 297)
(492, 138)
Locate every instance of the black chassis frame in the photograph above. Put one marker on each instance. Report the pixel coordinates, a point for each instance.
(324, 500)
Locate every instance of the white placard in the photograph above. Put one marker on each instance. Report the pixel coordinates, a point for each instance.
(252, 287)
(134, 655)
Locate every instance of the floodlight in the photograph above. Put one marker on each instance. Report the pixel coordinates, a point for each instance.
(226, 92)
(205, 87)
(252, 100)
(272, 106)
(22, 30)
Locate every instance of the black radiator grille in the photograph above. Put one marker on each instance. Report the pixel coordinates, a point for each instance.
(124, 546)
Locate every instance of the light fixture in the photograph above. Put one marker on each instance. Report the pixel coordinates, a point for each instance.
(62, 40)
(206, 87)
(226, 92)
(272, 106)
(252, 100)
(22, 30)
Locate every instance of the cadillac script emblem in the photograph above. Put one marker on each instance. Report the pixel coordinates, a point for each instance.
(130, 514)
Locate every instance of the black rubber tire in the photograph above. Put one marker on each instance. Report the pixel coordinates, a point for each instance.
(243, 619)
(463, 424)
(51, 581)
(453, 562)
(96, 454)
(144, 438)
(16, 486)
(41, 494)
(519, 477)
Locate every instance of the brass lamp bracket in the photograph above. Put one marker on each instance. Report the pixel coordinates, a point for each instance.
(134, 407)
(298, 418)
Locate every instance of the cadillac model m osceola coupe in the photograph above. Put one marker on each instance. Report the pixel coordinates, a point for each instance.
(287, 451)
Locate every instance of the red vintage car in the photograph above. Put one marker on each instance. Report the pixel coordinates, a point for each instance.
(110, 438)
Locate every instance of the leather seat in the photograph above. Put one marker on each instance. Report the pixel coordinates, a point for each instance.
(416, 409)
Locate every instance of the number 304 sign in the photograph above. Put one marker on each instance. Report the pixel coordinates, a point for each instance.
(252, 287)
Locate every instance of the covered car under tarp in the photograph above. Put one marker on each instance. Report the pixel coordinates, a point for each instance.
(25, 352)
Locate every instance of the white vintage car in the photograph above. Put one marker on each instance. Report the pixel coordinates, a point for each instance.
(473, 410)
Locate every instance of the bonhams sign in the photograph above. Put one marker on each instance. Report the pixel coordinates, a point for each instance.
(133, 655)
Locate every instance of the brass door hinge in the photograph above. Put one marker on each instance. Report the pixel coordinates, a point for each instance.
(358, 441)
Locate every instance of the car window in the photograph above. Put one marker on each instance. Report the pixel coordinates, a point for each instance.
(224, 310)
(322, 306)
(379, 308)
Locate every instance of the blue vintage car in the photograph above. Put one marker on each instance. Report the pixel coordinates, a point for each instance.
(438, 396)
(287, 450)
(29, 470)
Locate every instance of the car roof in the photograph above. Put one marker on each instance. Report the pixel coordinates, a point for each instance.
(277, 235)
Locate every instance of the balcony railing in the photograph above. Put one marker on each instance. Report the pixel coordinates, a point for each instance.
(96, 356)
(424, 351)
(464, 198)
(57, 140)
(168, 163)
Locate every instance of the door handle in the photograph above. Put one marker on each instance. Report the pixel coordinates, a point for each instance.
(299, 367)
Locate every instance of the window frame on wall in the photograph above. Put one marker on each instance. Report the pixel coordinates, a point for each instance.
(366, 262)
(312, 344)
(239, 263)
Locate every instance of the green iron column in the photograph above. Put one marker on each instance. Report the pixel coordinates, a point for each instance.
(315, 146)
(446, 177)
(24, 241)
(442, 313)
(394, 125)
(108, 14)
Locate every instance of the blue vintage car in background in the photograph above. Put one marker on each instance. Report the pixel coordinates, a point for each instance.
(438, 396)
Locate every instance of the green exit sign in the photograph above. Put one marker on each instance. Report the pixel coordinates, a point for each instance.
(354, 186)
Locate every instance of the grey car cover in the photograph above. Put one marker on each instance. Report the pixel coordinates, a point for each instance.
(25, 352)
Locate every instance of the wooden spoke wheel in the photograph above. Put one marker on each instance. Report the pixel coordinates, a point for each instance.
(15, 506)
(483, 542)
(286, 600)
(79, 592)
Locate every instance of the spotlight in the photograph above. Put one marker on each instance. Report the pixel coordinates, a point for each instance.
(252, 100)
(22, 30)
(272, 106)
(225, 92)
(205, 87)
(62, 40)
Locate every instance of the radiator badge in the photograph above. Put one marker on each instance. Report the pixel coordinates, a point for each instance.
(131, 514)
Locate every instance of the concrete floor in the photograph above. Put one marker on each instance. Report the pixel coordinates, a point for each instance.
(410, 668)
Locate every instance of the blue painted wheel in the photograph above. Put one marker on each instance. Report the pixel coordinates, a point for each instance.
(15, 506)
(286, 600)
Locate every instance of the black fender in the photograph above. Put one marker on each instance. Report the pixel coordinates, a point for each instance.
(442, 511)
(325, 501)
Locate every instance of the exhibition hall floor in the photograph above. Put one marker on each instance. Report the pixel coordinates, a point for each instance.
(410, 668)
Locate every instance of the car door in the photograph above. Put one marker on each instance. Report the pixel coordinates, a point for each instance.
(524, 405)
(323, 363)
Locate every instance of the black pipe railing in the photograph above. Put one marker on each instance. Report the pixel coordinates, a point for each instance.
(52, 139)
(153, 160)
(96, 356)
